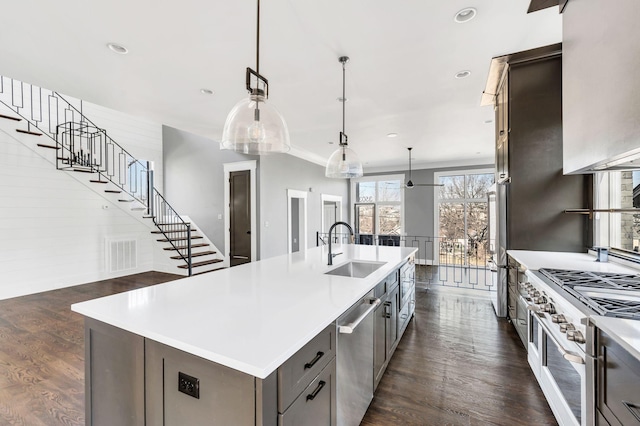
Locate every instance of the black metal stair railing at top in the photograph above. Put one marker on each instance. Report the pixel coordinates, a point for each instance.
(461, 263)
(82, 146)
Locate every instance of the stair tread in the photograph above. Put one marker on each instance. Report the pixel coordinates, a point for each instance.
(174, 224)
(202, 253)
(206, 272)
(171, 232)
(43, 145)
(166, 240)
(203, 263)
(98, 181)
(8, 117)
(126, 201)
(138, 209)
(185, 247)
(81, 170)
(112, 191)
(28, 132)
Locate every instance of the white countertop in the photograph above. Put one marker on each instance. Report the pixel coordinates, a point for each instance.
(251, 317)
(624, 331)
(535, 260)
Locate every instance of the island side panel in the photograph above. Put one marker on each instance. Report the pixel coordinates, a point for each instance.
(114, 376)
(226, 396)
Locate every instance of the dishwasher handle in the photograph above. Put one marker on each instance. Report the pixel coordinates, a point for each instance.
(350, 327)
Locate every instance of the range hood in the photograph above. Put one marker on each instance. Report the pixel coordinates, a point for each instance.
(626, 161)
(537, 5)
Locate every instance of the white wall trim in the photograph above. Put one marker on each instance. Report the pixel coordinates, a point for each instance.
(293, 193)
(236, 167)
(328, 197)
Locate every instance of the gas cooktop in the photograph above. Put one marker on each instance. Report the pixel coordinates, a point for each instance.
(609, 294)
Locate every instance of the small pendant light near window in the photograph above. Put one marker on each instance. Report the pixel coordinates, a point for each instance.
(254, 126)
(344, 162)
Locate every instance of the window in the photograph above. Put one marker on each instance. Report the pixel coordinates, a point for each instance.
(378, 207)
(462, 215)
(619, 230)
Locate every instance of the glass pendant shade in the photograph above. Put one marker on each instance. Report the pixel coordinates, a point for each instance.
(344, 163)
(255, 133)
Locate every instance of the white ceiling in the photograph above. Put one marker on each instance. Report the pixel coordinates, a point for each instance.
(404, 55)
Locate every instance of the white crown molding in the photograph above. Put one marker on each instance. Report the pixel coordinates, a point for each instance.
(481, 161)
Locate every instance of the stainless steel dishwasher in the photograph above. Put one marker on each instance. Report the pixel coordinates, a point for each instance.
(355, 361)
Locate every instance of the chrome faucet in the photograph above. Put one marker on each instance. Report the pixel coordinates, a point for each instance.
(331, 256)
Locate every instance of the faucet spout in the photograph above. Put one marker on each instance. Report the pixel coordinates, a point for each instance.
(331, 256)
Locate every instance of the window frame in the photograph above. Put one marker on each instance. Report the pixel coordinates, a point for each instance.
(464, 201)
(375, 202)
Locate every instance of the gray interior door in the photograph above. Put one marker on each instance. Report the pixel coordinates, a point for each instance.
(240, 217)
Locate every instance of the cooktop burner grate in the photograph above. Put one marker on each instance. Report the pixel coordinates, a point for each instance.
(579, 284)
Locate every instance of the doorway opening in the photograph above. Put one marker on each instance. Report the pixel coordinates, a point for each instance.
(240, 218)
(331, 210)
(296, 220)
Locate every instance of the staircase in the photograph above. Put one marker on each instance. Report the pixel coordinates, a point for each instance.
(59, 131)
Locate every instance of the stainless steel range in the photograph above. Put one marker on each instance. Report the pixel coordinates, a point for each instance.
(560, 339)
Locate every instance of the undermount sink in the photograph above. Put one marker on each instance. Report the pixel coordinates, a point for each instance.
(356, 269)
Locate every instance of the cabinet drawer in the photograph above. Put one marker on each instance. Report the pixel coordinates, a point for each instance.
(405, 313)
(618, 383)
(299, 370)
(316, 405)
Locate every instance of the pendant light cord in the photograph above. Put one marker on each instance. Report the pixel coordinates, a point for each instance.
(256, 114)
(258, 41)
(344, 98)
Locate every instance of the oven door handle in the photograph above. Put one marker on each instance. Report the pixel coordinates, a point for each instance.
(568, 355)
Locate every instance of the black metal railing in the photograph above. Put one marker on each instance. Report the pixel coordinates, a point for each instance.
(85, 147)
(439, 261)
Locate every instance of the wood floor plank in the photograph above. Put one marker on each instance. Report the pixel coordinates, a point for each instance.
(456, 365)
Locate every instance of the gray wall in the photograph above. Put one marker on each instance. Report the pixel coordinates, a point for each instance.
(194, 179)
(419, 201)
(281, 172)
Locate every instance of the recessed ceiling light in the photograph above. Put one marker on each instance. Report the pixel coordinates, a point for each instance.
(118, 48)
(206, 91)
(463, 74)
(341, 99)
(488, 121)
(330, 142)
(465, 15)
(392, 135)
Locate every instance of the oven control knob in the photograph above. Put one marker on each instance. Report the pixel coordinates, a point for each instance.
(575, 336)
(548, 307)
(558, 318)
(566, 327)
(539, 300)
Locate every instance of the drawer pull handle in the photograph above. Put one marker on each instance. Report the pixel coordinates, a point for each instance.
(314, 360)
(315, 393)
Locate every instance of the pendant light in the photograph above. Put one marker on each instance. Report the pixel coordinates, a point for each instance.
(344, 162)
(254, 126)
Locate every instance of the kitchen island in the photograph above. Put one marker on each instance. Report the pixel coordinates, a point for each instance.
(242, 324)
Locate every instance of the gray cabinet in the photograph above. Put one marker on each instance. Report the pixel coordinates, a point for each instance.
(316, 405)
(392, 317)
(601, 91)
(617, 383)
(131, 380)
(517, 309)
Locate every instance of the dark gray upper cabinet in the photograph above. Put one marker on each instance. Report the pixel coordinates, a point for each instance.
(601, 89)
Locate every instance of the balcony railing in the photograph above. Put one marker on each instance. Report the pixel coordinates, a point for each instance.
(462, 263)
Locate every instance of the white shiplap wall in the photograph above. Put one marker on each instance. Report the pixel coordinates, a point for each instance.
(53, 228)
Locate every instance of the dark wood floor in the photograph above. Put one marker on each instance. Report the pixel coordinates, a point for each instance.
(42, 352)
(456, 365)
